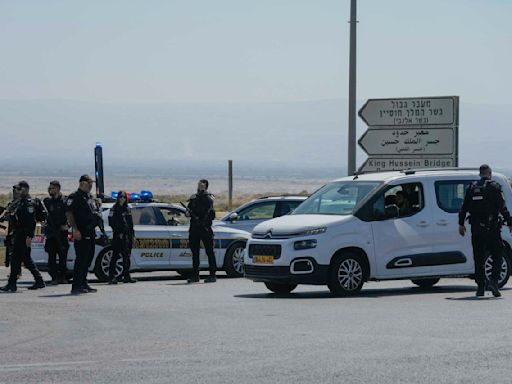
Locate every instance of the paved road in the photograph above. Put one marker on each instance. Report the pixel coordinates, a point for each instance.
(162, 331)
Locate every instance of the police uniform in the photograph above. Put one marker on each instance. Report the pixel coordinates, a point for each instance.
(121, 221)
(201, 210)
(85, 211)
(485, 203)
(24, 223)
(56, 237)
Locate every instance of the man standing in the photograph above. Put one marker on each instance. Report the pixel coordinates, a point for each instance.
(56, 231)
(23, 219)
(83, 215)
(200, 209)
(484, 201)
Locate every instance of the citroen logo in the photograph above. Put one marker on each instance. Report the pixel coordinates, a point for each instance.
(269, 234)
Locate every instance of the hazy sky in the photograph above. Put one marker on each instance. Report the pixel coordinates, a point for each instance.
(253, 50)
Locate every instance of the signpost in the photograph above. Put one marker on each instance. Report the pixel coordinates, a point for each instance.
(404, 133)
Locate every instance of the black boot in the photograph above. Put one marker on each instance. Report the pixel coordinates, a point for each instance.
(39, 284)
(9, 288)
(480, 291)
(113, 281)
(493, 287)
(210, 279)
(193, 279)
(128, 279)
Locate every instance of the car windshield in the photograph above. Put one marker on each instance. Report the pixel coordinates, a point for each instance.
(339, 198)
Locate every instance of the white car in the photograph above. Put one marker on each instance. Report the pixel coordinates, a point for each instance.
(249, 215)
(161, 244)
(350, 231)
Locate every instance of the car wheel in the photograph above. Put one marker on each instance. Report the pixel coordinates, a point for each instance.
(346, 275)
(425, 283)
(505, 269)
(280, 287)
(102, 266)
(234, 260)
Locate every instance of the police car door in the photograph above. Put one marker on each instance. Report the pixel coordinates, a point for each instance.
(454, 251)
(402, 242)
(152, 245)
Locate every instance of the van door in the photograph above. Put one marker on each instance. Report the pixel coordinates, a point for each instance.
(402, 231)
(454, 251)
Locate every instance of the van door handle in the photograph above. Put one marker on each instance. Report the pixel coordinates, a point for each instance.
(422, 224)
(176, 235)
(442, 222)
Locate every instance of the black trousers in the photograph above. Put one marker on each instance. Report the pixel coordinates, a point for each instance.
(84, 250)
(57, 246)
(21, 254)
(121, 247)
(197, 235)
(487, 242)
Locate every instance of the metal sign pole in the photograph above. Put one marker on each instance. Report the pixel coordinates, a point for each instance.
(351, 164)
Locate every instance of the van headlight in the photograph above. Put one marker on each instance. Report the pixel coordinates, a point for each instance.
(304, 244)
(314, 231)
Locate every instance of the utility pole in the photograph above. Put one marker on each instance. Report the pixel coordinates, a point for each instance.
(351, 164)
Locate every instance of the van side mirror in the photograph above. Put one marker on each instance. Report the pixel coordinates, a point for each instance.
(233, 217)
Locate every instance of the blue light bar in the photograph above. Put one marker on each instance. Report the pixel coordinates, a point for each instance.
(134, 196)
(114, 195)
(146, 195)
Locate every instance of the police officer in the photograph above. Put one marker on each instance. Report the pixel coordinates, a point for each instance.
(121, 221)
(23, 218)
(484, 201)
(82, 212)
(56, 231)
(201, 212)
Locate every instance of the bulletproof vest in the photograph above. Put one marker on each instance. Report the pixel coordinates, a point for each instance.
(481, 199)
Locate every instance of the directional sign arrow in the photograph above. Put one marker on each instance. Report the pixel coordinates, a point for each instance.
(419, 141)
(421, 111)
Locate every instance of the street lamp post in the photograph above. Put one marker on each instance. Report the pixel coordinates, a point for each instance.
(351, 165)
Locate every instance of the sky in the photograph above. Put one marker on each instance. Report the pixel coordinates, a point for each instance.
(147, 58)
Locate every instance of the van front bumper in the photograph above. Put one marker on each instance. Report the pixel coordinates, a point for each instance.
(283, 274)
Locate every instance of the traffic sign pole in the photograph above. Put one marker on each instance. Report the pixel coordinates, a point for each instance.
(351, 164)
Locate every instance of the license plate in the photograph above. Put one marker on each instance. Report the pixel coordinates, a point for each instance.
(263, 259)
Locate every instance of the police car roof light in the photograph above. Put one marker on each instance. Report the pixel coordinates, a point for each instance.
(114, 195)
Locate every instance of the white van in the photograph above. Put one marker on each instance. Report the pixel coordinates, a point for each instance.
(350, 231)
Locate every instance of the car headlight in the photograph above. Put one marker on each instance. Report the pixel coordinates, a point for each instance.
(314, 231)
(304, 244)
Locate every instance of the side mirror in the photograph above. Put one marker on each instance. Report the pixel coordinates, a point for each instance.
(391, 211)
(233, 217)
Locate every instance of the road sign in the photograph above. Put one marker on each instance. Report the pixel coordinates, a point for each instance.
(401, 163)
(420, 111)
(411, 141)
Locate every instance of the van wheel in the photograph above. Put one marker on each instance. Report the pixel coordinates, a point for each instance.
(425, 283)
(280, 287)
(234, 260)
(505, 270)
(102, 266)
(346, 275)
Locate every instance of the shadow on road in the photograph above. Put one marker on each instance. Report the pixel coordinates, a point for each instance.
(473, 298)
(368, 293)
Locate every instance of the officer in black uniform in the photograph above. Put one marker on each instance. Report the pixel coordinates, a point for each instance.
(23, 218)
(485, 203)
(56, 231)
(121, 221)
(82, 212)
(201, 212)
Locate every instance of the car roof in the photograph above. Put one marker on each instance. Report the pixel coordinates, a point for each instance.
(404, 175)
(283, 197)
(145, 204)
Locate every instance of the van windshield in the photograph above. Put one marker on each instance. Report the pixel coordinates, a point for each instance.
(339, 198)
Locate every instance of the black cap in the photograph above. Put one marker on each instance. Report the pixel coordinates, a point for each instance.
(86, 178)
(22, 184)
(55, 183)
(485, 168)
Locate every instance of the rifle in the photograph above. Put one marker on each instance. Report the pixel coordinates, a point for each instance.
(55, 230)
(7, 214)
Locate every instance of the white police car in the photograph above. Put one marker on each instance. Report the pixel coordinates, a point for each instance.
(161, 243)
(350, 231)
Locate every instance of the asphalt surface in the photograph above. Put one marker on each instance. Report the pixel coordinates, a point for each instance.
(161, 330)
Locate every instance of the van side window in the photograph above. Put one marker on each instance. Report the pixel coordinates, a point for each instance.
(450, 194)
(397, 201)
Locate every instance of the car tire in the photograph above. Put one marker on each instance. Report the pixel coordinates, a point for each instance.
(102, 265)
(347, 274)
(506, 269)
(234, 260)
(280, 288)
(425, 283)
